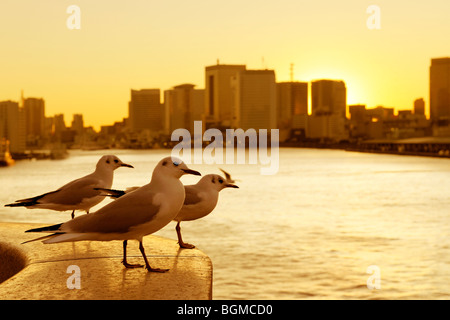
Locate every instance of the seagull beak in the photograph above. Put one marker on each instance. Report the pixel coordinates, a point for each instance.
(126, 165)
(189, 171)
(230, 185)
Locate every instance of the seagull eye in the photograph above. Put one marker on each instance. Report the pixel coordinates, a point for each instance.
(176, 164)
(116, 161)
(220, 180)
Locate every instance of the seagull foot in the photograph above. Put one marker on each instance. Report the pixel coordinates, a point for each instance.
(186, 245)
(131, 266)
(149, 269)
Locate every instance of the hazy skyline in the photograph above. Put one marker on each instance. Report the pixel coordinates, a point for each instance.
(148, 44)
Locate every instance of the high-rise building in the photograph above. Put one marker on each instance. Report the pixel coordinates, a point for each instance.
(78, 123)
(219, 95)
(328, 106)
(359, 121)
(183, 105)
(419, 106)
(440, 89)
(34, 109)
(145, 110)
(292, 100)
(254, 100)
(328, 97)
(59, 125)
(12, 125)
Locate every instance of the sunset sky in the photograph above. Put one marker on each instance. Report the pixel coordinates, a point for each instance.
(137, 44)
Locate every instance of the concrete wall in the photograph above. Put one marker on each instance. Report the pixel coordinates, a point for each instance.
(40, 271)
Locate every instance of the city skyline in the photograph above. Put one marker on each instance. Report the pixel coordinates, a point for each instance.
(160, 45)
(163, 98)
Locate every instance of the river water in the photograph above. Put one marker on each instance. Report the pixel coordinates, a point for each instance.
(320, 228)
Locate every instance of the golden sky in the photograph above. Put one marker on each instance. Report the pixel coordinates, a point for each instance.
(137, 44)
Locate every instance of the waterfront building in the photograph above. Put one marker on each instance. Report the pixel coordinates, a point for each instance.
(328, 97)
(328, 106)
(146, 111)
(419, 106)
(78, 124)
(219, 95)
(440, 96)
(292, 105)
(183, 104)
(12, 126)
(440, 89)
(254, 100)
(34, 110)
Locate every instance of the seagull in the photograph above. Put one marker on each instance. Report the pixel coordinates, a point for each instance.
(78, 194)
(132, 216)
(200, 200)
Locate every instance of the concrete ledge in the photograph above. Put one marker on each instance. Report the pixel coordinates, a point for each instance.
(37, 271)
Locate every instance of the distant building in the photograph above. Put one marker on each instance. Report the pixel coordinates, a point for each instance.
(292, 107)
(440, 89)
(328, 97)
(12, 125)
(380, 113)
(359, 121)
(183, 105)
(327, 127)
(239, 98)
(292, 99)
(254, 93)
(328, 106)
(78, 124)
(34, 109)
(145, 110)
(59, 125)
(440, 96)
(382, 123)
(419, 106)
(219, 94)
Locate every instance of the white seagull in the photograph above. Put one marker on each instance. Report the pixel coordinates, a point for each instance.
(78, 194)
(200, 200)
(133, 216)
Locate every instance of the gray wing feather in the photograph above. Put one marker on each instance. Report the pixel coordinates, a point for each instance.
(119, 216)
(73, 193)
(192, 195)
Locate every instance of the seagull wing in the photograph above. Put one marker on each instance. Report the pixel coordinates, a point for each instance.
(74, 192)
(192, 195)
(34, 200)
(120, 216)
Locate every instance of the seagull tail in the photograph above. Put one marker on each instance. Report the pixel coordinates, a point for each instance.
(42, 238)
(64, 237)
(29, 201)
(20, 204)
(51, 228)
(58, 237)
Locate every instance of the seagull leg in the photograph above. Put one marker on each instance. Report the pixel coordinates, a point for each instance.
(147, 265)
(180, 240)
(73, 214)
(124, 261)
